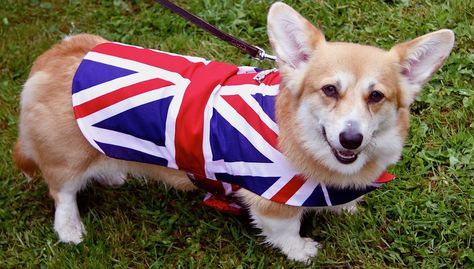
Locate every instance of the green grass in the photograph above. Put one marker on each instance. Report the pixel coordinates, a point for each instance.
(422, 220)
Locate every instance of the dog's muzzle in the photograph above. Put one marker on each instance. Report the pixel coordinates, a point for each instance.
(350, 142)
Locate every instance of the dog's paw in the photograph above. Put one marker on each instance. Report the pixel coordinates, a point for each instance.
(68, 225)
(301, 249)
(350, 209)
(70, 232)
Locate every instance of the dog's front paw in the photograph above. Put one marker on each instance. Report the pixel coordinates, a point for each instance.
(301, 249)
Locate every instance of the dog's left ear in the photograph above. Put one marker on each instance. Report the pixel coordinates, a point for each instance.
(421, 57)
(293, 39)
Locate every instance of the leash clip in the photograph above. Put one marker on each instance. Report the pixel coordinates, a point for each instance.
(262, 55)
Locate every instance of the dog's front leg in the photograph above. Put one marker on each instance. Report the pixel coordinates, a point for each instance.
(280, 224)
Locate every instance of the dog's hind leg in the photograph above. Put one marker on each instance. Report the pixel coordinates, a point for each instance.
(67, 221)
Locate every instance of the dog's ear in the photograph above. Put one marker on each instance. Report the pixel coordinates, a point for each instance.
(293, 38)
(421, 57)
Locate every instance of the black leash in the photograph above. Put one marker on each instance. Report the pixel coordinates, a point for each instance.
(253, 51)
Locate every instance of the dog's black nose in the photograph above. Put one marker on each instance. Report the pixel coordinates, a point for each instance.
(350, 139)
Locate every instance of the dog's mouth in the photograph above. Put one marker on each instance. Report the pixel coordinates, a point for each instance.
(343, 156)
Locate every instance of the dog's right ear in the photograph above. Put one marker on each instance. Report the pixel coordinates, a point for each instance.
(420, 58)
(293, 39)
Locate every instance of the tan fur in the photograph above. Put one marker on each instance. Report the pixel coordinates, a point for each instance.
(403, 122)
(174, 178)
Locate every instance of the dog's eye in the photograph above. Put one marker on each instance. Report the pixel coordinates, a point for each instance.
(375, 97)
(330, 91)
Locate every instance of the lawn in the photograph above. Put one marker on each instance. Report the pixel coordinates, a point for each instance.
(424, 219)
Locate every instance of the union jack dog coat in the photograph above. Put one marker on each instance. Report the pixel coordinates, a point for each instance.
(214, 120)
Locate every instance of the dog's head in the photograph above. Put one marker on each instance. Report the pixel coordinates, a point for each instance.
(350, 102)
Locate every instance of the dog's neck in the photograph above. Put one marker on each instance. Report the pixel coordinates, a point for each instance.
(285, 112)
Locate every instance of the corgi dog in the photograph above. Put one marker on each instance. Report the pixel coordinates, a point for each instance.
(341, 110)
